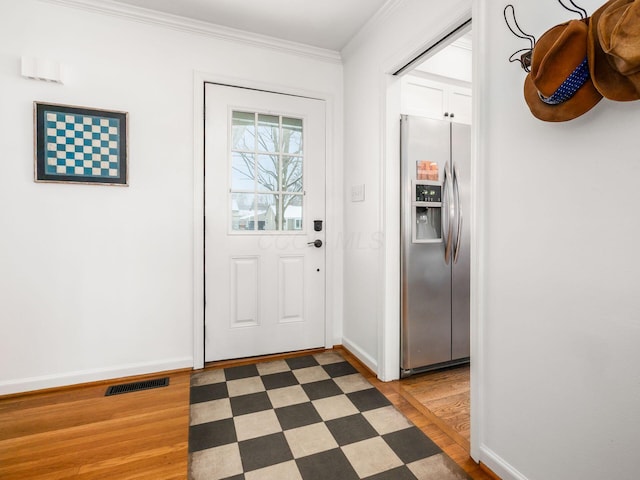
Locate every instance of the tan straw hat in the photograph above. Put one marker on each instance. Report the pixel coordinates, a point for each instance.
(559, 87)
(614, 49)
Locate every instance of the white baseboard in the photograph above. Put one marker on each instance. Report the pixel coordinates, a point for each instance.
(365, 358)
(498, 465)
(93, 375)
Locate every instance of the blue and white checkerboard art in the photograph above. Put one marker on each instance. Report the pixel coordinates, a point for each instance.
(82, 145)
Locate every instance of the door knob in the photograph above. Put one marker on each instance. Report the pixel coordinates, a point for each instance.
(316, 243)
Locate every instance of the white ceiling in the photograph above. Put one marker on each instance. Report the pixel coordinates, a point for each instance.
(326, 24)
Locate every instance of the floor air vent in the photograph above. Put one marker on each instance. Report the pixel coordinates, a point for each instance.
(137, 386)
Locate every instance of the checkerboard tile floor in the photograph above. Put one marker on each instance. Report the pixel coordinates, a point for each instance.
(304, 418)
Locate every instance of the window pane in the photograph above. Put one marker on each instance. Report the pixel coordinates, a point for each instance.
(243, 211)
(292, 174)
(268, 212)
(292, 135)
(242, 171)
(243, 131)
(292, 207)
(268, 172)
(268, 130)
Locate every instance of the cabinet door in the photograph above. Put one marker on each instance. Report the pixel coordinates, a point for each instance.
(423, 98)
(439, 100)
(460, 104)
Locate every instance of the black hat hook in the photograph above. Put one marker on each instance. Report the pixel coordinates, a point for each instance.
(526, 53)
(576, 9)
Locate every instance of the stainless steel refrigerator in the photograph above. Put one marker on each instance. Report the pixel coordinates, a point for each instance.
(435, 284)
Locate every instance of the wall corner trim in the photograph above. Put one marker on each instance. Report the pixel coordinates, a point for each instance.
(385, 11)
(498, 465)
(361, 355)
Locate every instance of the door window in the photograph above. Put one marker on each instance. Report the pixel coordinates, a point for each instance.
(267, 162)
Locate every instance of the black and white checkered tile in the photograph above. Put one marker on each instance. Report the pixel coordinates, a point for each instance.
(304, 418)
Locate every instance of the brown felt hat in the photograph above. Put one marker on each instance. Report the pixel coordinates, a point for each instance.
(558, 88)
(614, 49)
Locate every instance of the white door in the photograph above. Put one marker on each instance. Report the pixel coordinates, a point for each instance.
(264, 201)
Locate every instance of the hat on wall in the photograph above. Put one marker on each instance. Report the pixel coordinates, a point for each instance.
(614, 49)
(559, 86)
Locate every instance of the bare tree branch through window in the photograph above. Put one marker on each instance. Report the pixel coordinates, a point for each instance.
(267, 172)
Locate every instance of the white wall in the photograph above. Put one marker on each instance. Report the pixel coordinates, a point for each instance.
(560, 384)
(555, 379)
(97, 282)
(371, 319)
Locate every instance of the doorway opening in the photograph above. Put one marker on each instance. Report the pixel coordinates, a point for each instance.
(437, 85)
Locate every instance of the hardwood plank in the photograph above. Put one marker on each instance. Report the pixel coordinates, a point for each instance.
(444, 396)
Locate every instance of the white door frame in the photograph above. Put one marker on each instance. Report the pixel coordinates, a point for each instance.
(333, 219)
(389, 325)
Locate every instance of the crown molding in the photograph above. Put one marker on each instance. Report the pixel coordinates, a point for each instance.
(175, 22)
(385, 11)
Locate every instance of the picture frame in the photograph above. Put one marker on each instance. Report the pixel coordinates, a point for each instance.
(80, 145)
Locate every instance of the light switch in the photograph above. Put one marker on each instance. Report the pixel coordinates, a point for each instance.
(357, 193)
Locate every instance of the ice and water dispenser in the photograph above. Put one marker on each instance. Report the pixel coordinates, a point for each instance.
(426, 211)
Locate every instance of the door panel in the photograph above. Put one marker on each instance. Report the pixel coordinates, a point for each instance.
(291, 278)
(460, 280)
(245, 291)
(264, 187)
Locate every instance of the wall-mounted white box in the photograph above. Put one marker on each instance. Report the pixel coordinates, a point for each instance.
(41, 69)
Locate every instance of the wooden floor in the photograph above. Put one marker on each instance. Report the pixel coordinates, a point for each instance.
(79, 433)
(443, 396)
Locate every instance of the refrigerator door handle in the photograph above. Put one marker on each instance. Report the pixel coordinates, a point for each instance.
(458, 214)
(447, 214)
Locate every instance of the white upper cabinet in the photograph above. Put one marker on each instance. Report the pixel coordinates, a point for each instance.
(440, 86)
(434, 99)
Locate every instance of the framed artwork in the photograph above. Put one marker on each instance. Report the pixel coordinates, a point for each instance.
(80, 145)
